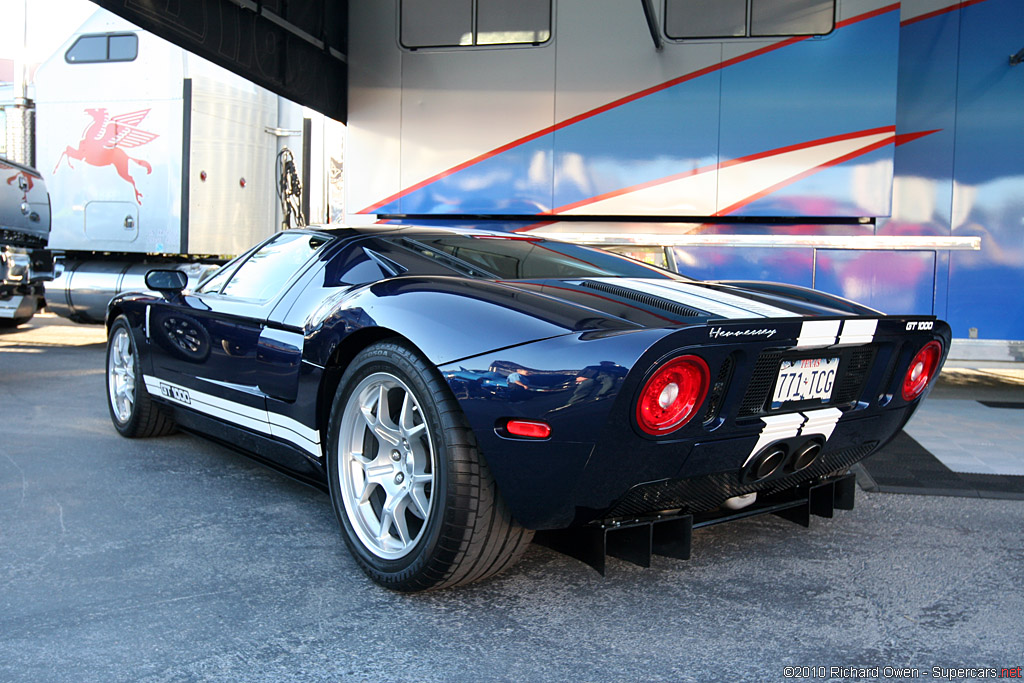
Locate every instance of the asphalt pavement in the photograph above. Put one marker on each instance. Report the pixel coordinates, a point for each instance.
(175, 559)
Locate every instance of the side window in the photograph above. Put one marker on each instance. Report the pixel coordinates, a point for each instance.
(106, 47)
(748, 18)
(217, 280)
(265, 273)
(450, 23)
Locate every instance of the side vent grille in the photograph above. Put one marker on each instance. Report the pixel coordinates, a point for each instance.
(718, 389)
(765, 370)
(856, 373)
(646, 299)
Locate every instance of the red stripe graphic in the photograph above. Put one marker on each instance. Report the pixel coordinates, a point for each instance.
(897, 139)
(618, 103)
(955, 6)
(725, 164)
(900, 139)
(800, 176)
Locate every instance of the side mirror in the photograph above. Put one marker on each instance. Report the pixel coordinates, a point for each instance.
(166, 281)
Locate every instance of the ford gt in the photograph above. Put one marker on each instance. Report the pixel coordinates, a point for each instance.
(457, 391)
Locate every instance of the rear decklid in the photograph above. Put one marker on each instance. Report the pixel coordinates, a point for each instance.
(662, 302)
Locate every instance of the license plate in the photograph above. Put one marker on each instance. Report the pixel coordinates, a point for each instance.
(805, 380)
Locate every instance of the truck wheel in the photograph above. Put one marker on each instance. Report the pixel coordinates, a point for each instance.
(11, 323)
(132, 411)
(417, 504)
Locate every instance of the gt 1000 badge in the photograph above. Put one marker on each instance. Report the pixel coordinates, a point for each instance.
(175, 394)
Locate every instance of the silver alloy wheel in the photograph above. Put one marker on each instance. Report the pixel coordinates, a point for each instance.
(121, 375)
(386, 466)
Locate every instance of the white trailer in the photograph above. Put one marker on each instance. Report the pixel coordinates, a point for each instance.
(154, 155)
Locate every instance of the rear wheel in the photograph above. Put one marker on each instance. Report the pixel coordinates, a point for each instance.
(417, 505)
(132, 411)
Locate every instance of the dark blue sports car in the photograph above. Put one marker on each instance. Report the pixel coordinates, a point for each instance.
(457, 391)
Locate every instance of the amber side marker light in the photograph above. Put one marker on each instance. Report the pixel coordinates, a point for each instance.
(528, 429)
(922, 370)
(672, 395)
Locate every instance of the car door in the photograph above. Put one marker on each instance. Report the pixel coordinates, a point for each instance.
(216, 350)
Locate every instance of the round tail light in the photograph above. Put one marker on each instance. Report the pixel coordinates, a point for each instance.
(672, 395)
(921, 370)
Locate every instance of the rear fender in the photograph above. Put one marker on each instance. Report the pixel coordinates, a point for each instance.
(447, 318)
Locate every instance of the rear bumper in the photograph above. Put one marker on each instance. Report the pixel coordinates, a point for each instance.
(18, 307)
(22, 267)
(637, 539)
(712, 471)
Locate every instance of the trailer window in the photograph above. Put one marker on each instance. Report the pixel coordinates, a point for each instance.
(451, 23)
(743, 18)
(107, 47)
(791, 17)
(705, 18)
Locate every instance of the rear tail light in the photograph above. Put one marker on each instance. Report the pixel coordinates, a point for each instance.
(922, 370)
(672, 395)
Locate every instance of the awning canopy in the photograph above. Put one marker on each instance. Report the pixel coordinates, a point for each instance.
(296, 48)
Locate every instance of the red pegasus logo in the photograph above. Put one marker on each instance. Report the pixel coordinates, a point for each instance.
(105, 139)
(24, 180)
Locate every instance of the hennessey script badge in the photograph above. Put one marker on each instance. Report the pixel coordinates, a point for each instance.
(716, 332)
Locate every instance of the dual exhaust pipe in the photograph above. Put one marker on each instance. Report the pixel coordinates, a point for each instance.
(782, 458)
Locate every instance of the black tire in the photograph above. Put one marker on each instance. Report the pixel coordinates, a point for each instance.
(11, 323)
(467, 532)
(138, 416)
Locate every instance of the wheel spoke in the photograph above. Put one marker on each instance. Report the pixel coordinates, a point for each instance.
(406, 419)
(124, 351)
(385, 428)
(418, 502)
(384, 431)
(387, 516)
(401, 525)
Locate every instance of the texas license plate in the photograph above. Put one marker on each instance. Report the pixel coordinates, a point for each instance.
(804, 380)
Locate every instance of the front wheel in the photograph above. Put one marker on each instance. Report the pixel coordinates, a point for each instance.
(132, 411)
(417, 505)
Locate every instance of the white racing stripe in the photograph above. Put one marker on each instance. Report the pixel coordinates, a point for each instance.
(293, 430)
(777, 427)
(809, 423)
(821, 422)
(711, 300)
(858, 332)
(256, 419)
(820, 333)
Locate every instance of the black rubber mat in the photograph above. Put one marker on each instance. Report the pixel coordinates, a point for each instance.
(1017, 405)
(905, 466)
